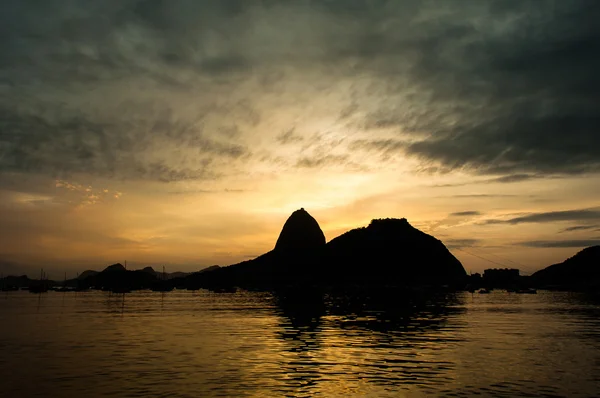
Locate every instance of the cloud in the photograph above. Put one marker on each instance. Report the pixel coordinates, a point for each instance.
(483, 196)
(83, 195)
(384, 146)
(539, 111)
(495, 88)
(560, 243)
(465, 213)
(147, 89)
(552, 216)
(288, 137)
(321, 161)
(514, 178)
(158, 150)
(460, 243)
(579, 228)
(206, 191)
(507, 179)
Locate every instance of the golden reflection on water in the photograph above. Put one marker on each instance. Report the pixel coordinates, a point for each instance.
(190, 344)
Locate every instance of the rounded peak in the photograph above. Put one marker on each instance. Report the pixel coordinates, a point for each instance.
(115, 267)
(300, 231)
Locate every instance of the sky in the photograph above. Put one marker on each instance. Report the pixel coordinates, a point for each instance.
(184, 132)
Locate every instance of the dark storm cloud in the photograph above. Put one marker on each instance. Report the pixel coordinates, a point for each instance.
(552, 216)
(57, 50)
(560, 243)
(512, 89)
(59, 146)
(495, 87)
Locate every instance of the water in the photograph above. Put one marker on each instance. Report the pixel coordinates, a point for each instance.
(192, 344)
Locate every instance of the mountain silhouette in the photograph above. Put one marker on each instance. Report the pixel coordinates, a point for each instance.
(209, 269)
(114, 268)
(86, 274)
(149, 270)
(23, 281)
(300, 231)
(392, 251)
(116, 277)
(116, 272)
(387, 252)
(581, 271)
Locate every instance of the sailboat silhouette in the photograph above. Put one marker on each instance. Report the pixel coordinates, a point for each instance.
(162, 285)
(42, 287)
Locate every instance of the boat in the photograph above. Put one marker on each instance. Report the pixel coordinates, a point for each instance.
(64, 287)
(5, 287)
(42, 287)
(484, 291)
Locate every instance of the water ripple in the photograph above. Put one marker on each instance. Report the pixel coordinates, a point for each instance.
(188, 344)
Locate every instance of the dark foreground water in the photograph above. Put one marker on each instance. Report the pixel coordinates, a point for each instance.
(196, 344)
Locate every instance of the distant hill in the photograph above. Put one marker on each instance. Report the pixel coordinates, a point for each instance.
(87, 273)
(149, 270)
(387, 252)
(115, 268)
(581, 271)
(23, 281)
(117, 277)
(211, 268)
(179, 274)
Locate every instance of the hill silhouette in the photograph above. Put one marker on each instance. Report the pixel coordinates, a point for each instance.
(582, 271)
(149, 270)
(23, 281)
(387, 252)
(86, 274)
(116, 277)
(300, 232)
(115, 268)
(392, 251)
